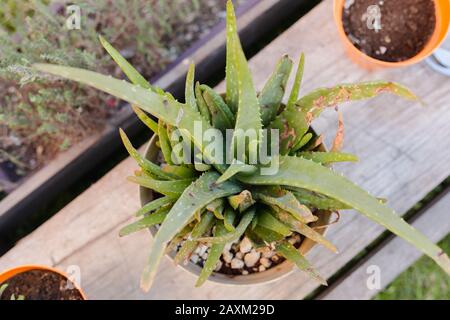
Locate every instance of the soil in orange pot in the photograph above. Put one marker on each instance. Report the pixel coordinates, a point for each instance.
(389, 30)
(40, 285)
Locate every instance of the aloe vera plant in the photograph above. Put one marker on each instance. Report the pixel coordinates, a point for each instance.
(215, 202)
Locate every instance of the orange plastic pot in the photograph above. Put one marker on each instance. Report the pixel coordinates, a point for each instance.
(442, 24)
(8, 274)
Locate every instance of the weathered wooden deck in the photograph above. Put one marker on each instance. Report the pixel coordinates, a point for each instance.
(404, 154)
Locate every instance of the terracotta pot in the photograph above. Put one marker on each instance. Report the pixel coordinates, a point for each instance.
(271, 274)
(4, 276)
(438, 36)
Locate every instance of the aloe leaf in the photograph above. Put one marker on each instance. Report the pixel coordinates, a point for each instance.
(195, 197)
(145, 164)
(273, 91)
(266, 235)
(241, 201)
(155, 218)
(160, 105)
(214, 254)
(294, 121)
(216, 207)
(248, 119)
(231, 75)
(205, 224)
(168, 188)
(222, 116)
(132, 74)
(268, 221)
(301, 173)
(219, 118)
(328, 157)
(288, 251)
(318, 201)
(237, 233)
(201, 104)
(228, 219)
(149, 122)
(236, 167)
(286, 201)
(155, 204)
(304, 229)
(179, 171)
(303, 142)
(164, 142)
(189, 90)
(297, 82)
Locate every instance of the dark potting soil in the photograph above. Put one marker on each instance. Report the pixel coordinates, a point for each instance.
(40, 285)
(406, 27)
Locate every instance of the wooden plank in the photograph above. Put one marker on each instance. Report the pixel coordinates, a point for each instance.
(392, 257)
(44, 185)
(395, 140)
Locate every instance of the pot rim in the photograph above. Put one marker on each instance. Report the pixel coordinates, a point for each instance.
(442, 10)
(270, 275)
(9, 273)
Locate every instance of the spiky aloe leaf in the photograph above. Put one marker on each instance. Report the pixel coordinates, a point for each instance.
(132, 74)
(248, 118)
(162, 106)
(155, 218)
(164, 142)
(218, 119)
(179, 171)
(328, 157)
(288, 251)
(294, 121)
(155, 204)
(214, 254)
(195, 197)
(303, 142)
(221, 115)
(145, 164)
(318, 201)
(304, 229)
(228, 219)
(286, 201)
(168, 188)
(201, 104)
(152, 125)
(205, 224)
(231, 76)
(236, 167)
(266, 235)
(189, 95)
(301, 173)
(297, 82)
(273, 91)
(246, 219)
(268, 221)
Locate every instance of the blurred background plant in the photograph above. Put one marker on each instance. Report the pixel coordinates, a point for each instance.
(40, 116)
